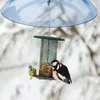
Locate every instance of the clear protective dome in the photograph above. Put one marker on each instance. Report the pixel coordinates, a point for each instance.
(58, 13)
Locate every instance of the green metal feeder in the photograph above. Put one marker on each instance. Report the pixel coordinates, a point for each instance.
(48, 53)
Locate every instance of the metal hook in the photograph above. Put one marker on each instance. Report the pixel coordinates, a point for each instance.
(49, 2)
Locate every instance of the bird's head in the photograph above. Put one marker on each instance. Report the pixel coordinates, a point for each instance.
(54, 63)
(30, 67)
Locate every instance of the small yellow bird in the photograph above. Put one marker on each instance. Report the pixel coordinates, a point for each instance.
(32, 72)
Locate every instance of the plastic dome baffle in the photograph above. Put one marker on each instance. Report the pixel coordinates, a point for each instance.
(60, 13)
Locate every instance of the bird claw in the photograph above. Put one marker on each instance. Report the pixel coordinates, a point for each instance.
(68, 81)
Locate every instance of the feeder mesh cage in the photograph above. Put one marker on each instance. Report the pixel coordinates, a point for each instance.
(47, 54)
(48, 50)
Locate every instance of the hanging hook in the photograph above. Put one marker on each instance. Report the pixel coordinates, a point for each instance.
(49, 2)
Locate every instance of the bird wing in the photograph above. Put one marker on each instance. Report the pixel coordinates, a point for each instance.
(64, 72)
(61, 77)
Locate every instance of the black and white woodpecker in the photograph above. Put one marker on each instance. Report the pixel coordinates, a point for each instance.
(61, 71)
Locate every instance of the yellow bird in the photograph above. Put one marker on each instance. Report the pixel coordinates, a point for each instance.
(32, 72)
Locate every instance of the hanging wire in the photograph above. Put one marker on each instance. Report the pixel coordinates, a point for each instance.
(49, 31)
(49, 1)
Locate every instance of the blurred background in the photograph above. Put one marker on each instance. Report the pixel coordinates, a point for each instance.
(79, 52)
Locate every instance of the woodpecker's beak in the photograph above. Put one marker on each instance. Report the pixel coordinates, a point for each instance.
(49, 64)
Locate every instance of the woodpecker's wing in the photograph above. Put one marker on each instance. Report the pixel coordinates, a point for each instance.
(64, 79)
(63, 70)
(60, 76)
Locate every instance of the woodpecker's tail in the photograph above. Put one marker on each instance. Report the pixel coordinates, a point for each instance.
(68, 81)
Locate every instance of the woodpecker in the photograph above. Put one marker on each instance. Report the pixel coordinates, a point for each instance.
(32, 72)
(61, 71)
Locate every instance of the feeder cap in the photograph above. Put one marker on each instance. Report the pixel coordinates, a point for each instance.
(49, 37)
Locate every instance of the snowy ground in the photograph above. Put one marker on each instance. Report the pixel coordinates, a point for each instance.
(81, 54)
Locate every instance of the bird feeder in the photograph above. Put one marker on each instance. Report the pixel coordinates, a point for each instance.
(48, 53)
(49, 14)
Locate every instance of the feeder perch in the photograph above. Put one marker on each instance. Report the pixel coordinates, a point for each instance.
(48, 53)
